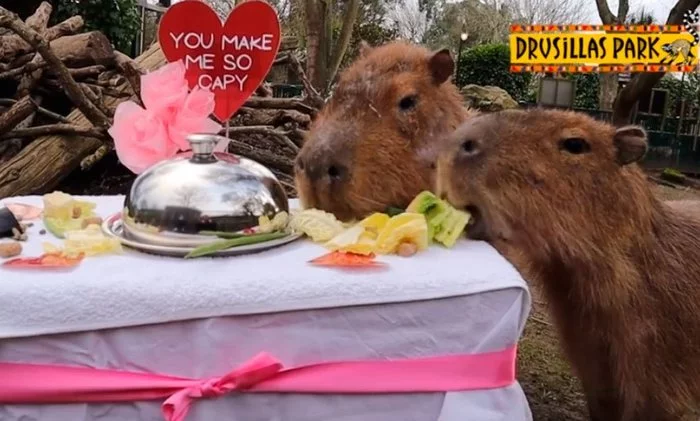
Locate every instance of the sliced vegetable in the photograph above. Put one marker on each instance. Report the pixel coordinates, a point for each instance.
(344, 259)
(217, 246)
(278, 223)
(320, 226)
(445, 223)
(58, 227)
(407, 227)
(351, 241)
(45, 261)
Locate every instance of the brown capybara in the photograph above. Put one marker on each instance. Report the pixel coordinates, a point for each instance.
(375, 142)
(562, 197)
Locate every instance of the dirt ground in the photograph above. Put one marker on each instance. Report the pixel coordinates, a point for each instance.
(554, 394)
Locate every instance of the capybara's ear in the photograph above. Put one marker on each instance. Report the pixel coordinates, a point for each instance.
(441, 65)
(365, 48)
(631, 144)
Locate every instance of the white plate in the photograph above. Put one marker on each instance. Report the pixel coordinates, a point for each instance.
(112, 226)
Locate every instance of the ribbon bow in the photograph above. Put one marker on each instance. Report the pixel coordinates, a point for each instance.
(260, 368)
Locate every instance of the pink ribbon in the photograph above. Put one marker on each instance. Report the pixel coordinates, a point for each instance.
(261, 367)
(46, 383)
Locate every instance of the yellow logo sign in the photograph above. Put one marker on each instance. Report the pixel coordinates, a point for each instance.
(605, 48)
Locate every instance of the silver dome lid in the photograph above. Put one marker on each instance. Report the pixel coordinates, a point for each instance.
(182, 201)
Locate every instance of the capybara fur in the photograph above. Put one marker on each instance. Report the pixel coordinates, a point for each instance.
(375, 142)
(562, 197)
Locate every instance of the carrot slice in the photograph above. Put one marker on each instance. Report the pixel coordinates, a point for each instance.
(45, 261)
(345, 259)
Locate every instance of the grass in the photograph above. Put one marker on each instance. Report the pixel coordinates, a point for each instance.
(552, 390)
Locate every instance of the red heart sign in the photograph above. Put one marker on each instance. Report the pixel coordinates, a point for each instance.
(230, 59)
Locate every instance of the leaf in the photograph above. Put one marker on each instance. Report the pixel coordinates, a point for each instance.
(45, 261)
(344, 259)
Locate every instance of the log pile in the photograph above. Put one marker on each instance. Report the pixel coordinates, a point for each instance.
(41, 144)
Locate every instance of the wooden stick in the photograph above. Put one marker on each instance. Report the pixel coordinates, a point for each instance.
(262, 130)
(95, 96)
(51, 129)
(314, 98)
(280, 103)
(14, 45)
(12, 21)
(40, 18)
(40, 110)
(18, 112)
(95, 157)
(263, 157)
(85, 72)
(132, 72)
(19, 71)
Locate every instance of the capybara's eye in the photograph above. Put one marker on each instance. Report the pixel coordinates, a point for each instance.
(575, 145)
(407, 102)
(469, 146)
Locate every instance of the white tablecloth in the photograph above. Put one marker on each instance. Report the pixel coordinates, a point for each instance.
(203, 317)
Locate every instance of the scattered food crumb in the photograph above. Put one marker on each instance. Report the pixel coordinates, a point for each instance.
(42, 232)
(10, 250)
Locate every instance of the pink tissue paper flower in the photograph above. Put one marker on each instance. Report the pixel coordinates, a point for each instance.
(140, 137)
(143, 137)
(163, 91)
(193, 117)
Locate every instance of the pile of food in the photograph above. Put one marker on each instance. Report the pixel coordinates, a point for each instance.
(427, 220)
(64, 217)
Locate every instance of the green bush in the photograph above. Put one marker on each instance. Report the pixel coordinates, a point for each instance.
(489, 64)
(118, 19)
(587, 86)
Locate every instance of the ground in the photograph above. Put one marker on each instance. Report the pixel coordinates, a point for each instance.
(554, 394)
(552, 391)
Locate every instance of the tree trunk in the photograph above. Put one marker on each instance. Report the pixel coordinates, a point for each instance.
(314, 33)
(607, 90)
(643, 83)
(343, 41)
(41, 165)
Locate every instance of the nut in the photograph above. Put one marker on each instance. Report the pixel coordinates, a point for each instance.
(407, 249)
(8, 250)
(77, 211)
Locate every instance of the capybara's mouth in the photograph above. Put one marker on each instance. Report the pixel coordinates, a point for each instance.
(476, 227)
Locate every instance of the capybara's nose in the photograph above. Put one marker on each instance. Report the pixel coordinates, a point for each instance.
(471, 147)
(319, 170)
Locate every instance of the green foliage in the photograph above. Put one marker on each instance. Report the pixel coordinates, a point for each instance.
(687, 89)
(587, 87)
(118, 19)
(489, 64)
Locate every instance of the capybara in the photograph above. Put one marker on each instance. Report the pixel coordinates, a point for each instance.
(375, 142)
(562, 197)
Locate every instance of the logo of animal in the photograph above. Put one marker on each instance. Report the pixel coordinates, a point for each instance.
(683, 46)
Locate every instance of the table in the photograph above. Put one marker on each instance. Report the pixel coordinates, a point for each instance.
(203, 317)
